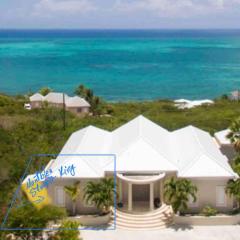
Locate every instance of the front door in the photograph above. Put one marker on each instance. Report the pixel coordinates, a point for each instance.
(141, 193)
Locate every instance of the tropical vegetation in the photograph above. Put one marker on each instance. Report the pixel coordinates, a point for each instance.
(31, 221)
(24, 132)
(45, 90)
(101, 194)
(209, 211)
(73, 192)
(65, 234)
(178, 192)
(233, 185)
(234, 134)
(233, 190)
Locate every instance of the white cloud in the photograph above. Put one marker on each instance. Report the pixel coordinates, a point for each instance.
(63, 6)
(175, 8)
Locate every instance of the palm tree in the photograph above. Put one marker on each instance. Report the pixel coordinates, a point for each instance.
(233, 189)
(101, 194)
(45, 90)
(95, 101)
(235, 164)
(73, 192)
(81, 91)
(177, 193)
(234, 134)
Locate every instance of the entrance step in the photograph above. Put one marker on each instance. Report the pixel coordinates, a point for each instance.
(153, 220)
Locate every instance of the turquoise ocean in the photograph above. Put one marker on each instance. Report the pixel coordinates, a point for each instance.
(122, 64)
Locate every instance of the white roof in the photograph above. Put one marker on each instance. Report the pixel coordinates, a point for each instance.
(199, 155)
(186, 104)
(221, 137)
(36, 97)
(77, 102)
(57, 97)
(143, 146)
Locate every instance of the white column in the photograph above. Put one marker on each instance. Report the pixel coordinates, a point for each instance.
(120, 190)
(161, 192)
(151, 196)
(129, 196)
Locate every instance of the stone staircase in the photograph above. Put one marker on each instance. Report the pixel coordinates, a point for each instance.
(154, 220)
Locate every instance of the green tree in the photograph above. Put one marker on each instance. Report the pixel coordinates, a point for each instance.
(233, 190)
(45, 90)
(101, 194)
(234, 134)
(236, 164)
(177, 193)
(68, 231)
(73, 192)
(28, 217)
(81, 91)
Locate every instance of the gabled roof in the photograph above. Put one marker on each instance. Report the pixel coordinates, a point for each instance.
(195, 146)
(36, 97)
(142, 146)
(205, 166)
(77, 102)
(55, 97)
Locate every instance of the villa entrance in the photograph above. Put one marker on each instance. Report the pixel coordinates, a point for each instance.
(140, 197)
(140, 191)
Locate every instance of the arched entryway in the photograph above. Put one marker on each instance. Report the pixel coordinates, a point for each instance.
(140, 187)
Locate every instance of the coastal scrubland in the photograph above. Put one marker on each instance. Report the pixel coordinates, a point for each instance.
(26, 132)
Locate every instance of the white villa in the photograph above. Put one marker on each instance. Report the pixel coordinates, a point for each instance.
(146, 156)
(74, 104)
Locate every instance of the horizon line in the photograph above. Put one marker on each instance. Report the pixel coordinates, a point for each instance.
(119, 29)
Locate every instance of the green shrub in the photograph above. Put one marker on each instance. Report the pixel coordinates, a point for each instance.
(209, 211)
(68, 230)
(29, 217)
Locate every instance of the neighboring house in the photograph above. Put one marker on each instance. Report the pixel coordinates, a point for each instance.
(225, 144)
(146, 156)
(73, 104)
(36, 100)
(235, 95)
(187, 104)
(77, 105)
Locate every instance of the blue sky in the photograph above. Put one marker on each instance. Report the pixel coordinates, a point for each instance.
(119, 13)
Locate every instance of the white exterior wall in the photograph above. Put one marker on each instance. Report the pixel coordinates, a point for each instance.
(81, 206)
(207, 195)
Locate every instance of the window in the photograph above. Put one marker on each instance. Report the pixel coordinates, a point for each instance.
(60, 196)
(191, 201)
(220, 196)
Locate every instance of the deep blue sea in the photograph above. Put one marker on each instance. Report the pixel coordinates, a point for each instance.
(122, 64)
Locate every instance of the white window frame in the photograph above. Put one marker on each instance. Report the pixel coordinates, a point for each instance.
(56, 196)
(191, 203)
(224, 204)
